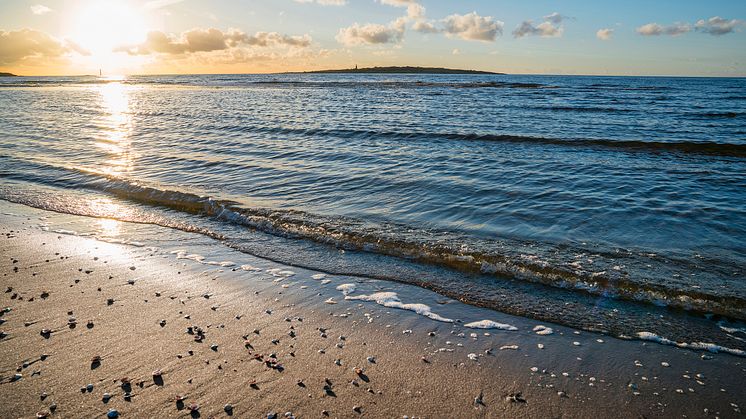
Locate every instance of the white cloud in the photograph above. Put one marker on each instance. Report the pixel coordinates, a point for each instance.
(551, 27)
(372, 33)
(207, 40)
(456, 51)
(40, 9)
(415, 10)
(654, 29)
(604, 34)
(157, 4)
(425, 27)
(717, 26)
(324, 2)
(472, 27)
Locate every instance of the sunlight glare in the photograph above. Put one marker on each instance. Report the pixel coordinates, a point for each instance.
(103, 25)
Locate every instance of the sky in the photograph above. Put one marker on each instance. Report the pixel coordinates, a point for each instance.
(631, 37)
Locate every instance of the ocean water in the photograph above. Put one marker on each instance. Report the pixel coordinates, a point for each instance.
(615, 204)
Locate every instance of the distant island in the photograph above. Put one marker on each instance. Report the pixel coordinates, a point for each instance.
(8, 75)
(400, 70)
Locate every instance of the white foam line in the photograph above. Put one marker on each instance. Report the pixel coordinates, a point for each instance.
(391, 300)
(489, 324)
(711, 347)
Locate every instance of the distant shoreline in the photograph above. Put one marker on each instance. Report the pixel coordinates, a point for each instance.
(8, 75)
(396, 70)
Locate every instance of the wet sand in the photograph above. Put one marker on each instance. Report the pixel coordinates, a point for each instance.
(275, 340)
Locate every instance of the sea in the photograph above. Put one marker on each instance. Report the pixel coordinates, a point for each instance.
(609, 204)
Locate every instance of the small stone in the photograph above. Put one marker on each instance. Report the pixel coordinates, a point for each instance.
(89, 388)
(228, 408)
(357, 409)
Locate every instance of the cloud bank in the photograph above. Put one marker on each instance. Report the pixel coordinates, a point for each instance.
(207, 40)
(23, 44)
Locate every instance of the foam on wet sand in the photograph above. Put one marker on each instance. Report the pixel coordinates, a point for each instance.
(233, 337)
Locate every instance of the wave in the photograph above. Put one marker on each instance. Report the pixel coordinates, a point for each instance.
(684, 147)
(247, 82)
(720, 115)
(499, 259)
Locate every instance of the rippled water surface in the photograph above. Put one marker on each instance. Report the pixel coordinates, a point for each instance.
(546, 196)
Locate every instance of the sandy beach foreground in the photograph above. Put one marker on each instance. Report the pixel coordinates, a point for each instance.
(92, 328)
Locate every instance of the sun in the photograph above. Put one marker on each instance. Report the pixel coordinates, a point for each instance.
(99, 27)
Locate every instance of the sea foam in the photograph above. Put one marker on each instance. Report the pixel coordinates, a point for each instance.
(489, 324)
(391, 299)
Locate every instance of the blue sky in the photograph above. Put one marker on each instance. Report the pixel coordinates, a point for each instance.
(557, 37)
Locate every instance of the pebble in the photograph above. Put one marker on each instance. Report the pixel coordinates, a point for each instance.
(228, 408)
(665, 364)
(89, 388)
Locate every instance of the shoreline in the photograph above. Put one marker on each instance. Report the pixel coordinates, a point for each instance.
(411, 364)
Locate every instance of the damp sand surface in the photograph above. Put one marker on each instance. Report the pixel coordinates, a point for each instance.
(85, 317)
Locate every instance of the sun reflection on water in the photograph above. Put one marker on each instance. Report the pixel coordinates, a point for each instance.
(116, 127)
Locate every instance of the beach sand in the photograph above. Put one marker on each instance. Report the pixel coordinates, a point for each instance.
(282, 342)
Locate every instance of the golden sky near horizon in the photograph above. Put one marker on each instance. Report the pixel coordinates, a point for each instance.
(65, 37)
